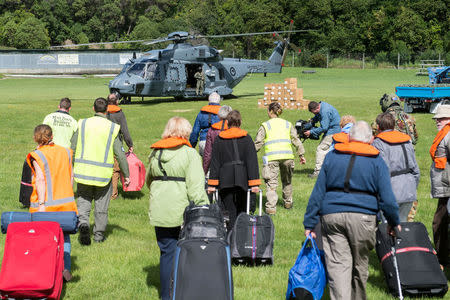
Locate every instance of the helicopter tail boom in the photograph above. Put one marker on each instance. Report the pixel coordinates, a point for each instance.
(277, 55)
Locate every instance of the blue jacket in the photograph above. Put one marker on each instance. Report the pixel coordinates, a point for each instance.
(370, 174)
(329, 120)
(202, 123)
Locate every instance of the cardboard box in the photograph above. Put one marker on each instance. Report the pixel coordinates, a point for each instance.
(267, 86)
(298, 94)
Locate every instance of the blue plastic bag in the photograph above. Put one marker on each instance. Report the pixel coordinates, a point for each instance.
(308, 271)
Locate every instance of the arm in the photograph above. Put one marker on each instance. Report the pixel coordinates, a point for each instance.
(298, 145)
(121, 158)
(195, 132)
(125, 132)
(386, 198)
(259, 139)
(324, 124)
(73, 142)
(312, 213)
(195, 179)
(207, 152)
(415, 167)
(40, 185)
(251, 161)
(214, 167)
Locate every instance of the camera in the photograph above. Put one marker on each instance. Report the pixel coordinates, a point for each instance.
(302, 126)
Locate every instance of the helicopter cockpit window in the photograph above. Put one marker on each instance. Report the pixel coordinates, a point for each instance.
(152, 71)
(137, 69)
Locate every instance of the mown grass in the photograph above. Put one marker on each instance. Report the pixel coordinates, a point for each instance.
(126, 265)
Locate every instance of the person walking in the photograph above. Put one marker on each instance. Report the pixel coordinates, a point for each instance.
(205, 118)
(51, 166)
(175, 178)
(277, 136)
(329, 119)
(352, 187)
(200, 85)
(95, 143)
(234, 167)
(62, 123)
(440, 187)
(397, 152)
(116, 115)
(213, 132)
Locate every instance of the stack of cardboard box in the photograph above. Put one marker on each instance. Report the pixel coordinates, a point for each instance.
(287, 94)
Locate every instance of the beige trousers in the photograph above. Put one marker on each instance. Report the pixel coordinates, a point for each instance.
(348, 239)
(270, 174)
(321, 152)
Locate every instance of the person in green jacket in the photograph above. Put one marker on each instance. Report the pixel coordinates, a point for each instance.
(175, 177)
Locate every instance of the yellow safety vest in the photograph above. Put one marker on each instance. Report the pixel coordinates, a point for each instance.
(277, 143)
(94, 157)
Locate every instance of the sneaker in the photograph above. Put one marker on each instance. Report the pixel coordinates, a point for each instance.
(288, 205)
(85, 235)
(100, 240)
(271, 211)
(67, 275)
(313, 175)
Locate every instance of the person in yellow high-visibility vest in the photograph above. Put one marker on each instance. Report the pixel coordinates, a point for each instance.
(95, 144)
(277, 136)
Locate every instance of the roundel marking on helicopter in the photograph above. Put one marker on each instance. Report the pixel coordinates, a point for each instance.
(232, 71)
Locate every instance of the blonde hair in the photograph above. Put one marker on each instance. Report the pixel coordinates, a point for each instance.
(43, 134)
(177, 127)
(347, 119)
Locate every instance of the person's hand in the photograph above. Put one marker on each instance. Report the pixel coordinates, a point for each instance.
(130, 149)
(127, 181)
(210, 189)
(41, 207)
(391, 231)
(307, 133)
(302, 160)
(308, 231)
(255, 189)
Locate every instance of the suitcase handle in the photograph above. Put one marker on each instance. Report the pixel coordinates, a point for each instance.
(248, 201)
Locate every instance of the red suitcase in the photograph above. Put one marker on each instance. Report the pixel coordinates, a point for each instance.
(137, 174)
(33, 261)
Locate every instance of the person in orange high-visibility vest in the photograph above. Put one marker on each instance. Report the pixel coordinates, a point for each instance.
(51, 166)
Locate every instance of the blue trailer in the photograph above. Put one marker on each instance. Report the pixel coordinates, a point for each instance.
(426, 97)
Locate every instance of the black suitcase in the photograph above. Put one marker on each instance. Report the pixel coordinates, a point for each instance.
(419, 272)
(26, 188)
(203, 221)
(252, 237)
(202, 270)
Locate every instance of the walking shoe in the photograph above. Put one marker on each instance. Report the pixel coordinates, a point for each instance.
(100, 239)
(288, 205)
(67, 275)
(85, 235)
(271, 211)
(313, 175)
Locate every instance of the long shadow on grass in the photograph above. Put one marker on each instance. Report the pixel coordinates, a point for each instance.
(376, 279)
(131, 195)
(113, 227)
(137, 101)
(303, 171)
(153, 277)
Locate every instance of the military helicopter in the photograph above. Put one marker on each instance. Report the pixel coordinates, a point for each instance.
(171, 71)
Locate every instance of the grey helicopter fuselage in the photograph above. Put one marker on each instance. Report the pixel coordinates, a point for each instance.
(170, 72)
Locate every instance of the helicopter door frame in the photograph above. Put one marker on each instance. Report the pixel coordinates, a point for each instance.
(191, 69)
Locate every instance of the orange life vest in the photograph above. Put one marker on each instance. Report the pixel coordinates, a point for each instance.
(358, 148)
(393, 137)
(113, 109)
(233, 133)
(219, 125)
(439, 162)
(340, 137)
(171, 142)
(56, 165)
(213, 109)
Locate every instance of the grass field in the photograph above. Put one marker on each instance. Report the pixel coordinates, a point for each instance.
(126, 266)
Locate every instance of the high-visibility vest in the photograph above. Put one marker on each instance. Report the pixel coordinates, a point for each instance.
(94, 157)
(277, 143)
(56, 165)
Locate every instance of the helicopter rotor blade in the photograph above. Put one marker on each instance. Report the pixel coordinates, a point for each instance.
(252, 33)
(100, 43)
(287, 42)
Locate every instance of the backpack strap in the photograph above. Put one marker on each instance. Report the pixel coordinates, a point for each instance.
(165, 177)
(223, 125)
(407, 168)
(237, 160)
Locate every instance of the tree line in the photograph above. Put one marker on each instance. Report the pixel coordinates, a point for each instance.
(375, 27)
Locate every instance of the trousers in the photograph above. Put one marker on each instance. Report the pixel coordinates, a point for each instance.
(167, 242)
(270, 173)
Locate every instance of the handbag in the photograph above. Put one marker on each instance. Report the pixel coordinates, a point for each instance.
(307, 278)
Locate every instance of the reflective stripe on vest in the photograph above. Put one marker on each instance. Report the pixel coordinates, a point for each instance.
(58, 188)
(94, 160)
(277, 142)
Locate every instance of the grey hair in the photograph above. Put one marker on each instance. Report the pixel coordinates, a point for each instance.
(224, 111)
(361, 132)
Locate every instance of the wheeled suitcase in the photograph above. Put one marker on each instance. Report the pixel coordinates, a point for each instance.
(203, 221)
(137, 174)
(202, 270)
(252, 237)
(419, 272)
(32, 261)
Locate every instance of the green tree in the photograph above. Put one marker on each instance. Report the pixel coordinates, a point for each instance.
(31, 34)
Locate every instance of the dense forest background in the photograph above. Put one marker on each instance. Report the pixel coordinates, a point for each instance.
(381, 29)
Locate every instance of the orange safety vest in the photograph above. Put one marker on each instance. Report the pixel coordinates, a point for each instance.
(56, 165)
(340, 137)
(221, 125)
(358, 148)
(394, 137)
(439, 162)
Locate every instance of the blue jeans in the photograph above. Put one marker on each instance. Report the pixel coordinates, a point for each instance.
(167, 239)
(67, 250)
